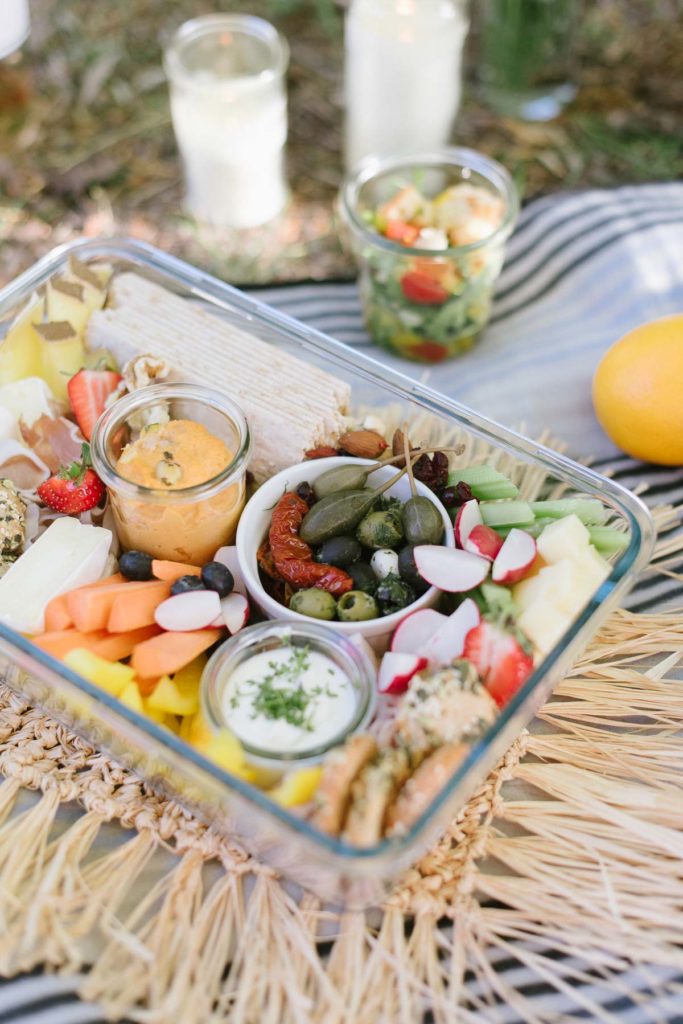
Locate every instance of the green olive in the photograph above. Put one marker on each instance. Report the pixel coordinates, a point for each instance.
(357, 606)
(315, 603)
(380, 530)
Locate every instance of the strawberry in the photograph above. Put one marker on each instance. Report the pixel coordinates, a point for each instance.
(74, 488)
(501, 661)
(88, 392)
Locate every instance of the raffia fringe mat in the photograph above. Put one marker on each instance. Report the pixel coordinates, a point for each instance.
(568, 860)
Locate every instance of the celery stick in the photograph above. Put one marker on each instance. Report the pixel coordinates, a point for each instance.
(607, 539)
(506, 513)
(589, 510)
(498, 599)
(486, 483)
(535, 529)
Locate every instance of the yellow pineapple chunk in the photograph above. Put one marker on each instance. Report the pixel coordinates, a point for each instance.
(130, 696)
(297, 787)
(175, 697)
(111, 676)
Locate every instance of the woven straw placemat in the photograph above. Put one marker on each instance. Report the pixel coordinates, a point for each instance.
(567, 860)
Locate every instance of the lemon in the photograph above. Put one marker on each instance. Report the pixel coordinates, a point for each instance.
(638, 392)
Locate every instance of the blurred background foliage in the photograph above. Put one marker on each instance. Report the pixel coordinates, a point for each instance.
(86, 145)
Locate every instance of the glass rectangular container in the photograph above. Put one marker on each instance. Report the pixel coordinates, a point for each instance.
(338, 872)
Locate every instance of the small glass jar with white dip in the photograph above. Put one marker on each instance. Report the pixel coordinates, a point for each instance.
(289, 693)
(229, 110)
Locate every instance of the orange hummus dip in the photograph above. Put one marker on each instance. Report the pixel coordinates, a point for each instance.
(166, 459)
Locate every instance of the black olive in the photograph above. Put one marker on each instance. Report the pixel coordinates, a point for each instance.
(339, 551)
(363, 577)
(306, 493)
(136, 565)
(408, 570)
(185, 583)
(216, 576)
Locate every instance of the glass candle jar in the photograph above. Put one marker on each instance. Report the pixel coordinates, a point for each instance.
(174, 459)
(229, 111)
(402, 75)
(426, 304)
(340, 699)
(15, 25)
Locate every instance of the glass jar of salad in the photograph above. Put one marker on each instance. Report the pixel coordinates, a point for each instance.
(428, 233)
(174, 460)
(288, 692)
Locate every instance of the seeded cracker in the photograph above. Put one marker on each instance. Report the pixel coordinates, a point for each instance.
(291, 405)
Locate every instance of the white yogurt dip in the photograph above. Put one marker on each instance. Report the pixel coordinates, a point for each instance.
(288, 700)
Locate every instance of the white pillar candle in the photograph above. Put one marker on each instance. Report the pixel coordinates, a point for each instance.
(14, 25)
(229, 111)
(402, 76)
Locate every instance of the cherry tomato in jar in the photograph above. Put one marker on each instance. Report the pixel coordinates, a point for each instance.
(399, 231)
(423, 290)
(429, 351)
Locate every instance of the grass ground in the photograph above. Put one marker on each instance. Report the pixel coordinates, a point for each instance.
(86, 144)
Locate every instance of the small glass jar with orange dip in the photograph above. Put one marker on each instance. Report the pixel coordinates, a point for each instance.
(174, 460)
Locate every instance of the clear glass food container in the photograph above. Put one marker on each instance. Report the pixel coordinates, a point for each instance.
(337, 871)
(183, 524)
(425, 304)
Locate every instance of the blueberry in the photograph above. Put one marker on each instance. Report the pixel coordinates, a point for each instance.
(136, 565)
(185, 583)
(216, 576)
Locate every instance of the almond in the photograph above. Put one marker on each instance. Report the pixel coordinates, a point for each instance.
(364, 444)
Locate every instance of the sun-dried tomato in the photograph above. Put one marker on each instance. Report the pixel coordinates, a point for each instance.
(266, 563)
(293, 557)
(324, 452)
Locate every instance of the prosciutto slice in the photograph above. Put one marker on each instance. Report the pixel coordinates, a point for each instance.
(55, 440)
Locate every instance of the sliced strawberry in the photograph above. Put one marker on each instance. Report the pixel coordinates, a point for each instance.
(502, 663)
(75, 488)
(88, 392)
(422, 289)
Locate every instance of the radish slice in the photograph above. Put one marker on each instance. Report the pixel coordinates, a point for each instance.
(467, 518)
(514, 558)
(195, 609)
(450, 569)
(228, 556)
(396, 671)
(484, 541)
(448, 643)
(235, 611)
(414, 631)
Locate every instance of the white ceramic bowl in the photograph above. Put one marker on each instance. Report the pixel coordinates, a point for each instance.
(255, 523)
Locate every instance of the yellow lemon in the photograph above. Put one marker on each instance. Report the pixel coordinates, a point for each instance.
(638, 392)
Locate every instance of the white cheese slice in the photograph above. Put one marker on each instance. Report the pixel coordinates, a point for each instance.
(69, 554)
(28, 399)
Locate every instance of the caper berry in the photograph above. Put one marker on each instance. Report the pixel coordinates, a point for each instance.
(422, 522)
(363, 577)
(315, 603)
(357, 606)
(380, 530)
(339, 551)
(408, 570)
(393, 594)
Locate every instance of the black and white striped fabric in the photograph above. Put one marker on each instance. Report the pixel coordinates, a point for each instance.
(581, 270)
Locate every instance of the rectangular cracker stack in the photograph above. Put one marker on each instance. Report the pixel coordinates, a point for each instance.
(290, 405)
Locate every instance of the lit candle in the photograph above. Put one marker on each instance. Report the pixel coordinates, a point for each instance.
(229, 111)
(14, 25)
(403, 75)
